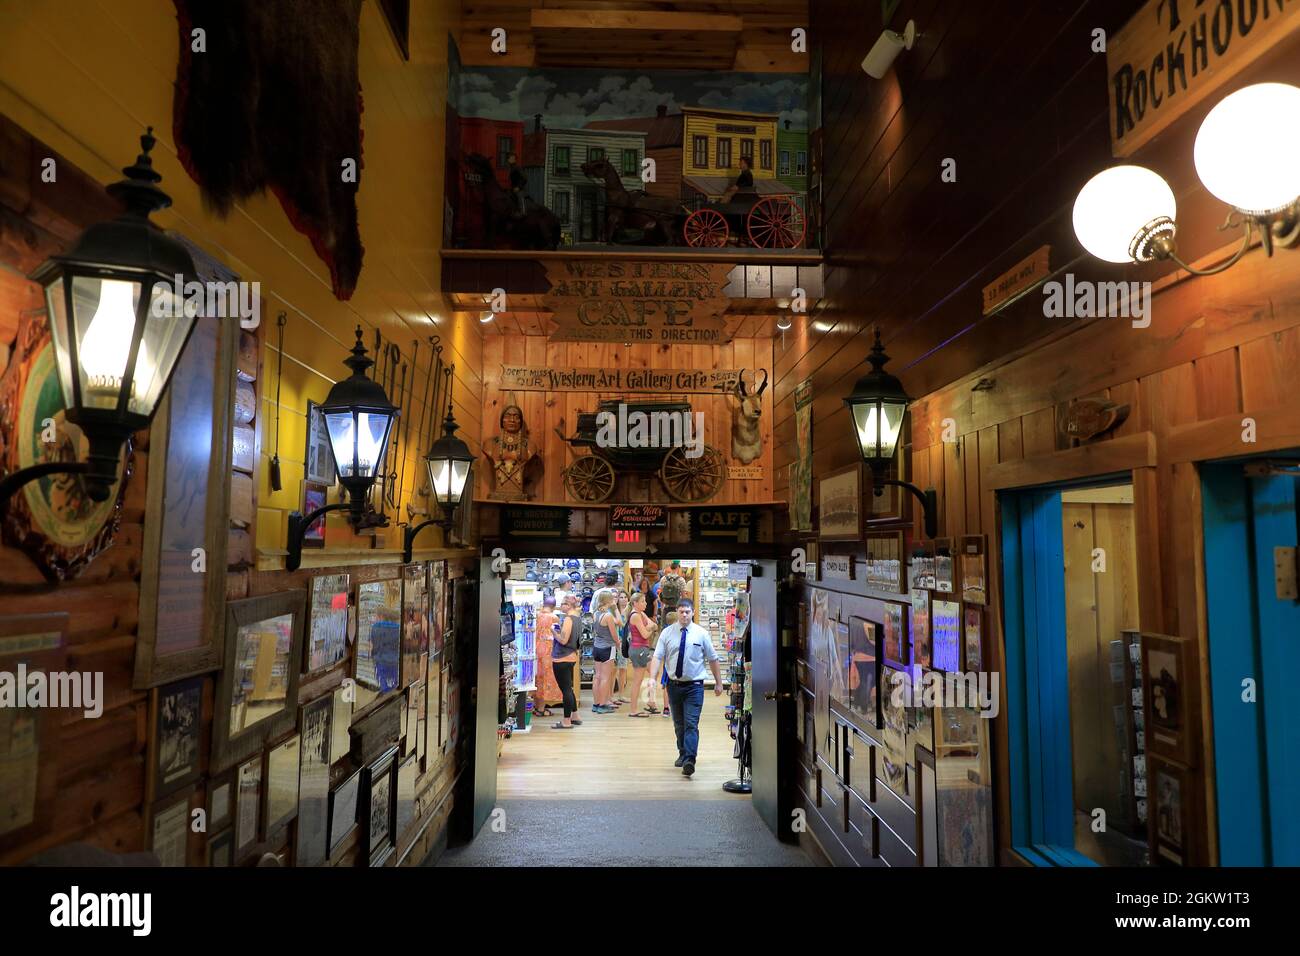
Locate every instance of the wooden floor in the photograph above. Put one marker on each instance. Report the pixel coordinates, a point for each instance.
(613, 756)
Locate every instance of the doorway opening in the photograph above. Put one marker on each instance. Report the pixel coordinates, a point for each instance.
(633, 767)
(1075, 720)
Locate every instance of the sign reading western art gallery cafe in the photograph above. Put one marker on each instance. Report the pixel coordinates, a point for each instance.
(669, 303)
(1174, 53)
(681, 381)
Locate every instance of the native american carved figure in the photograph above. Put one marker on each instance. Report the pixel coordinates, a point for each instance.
(510, 453)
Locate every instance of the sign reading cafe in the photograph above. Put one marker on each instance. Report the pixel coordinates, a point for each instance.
(1174, 53)
(682, 381)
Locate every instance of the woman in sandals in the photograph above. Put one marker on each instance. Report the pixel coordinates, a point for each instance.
(564, 659)
(641, 634)
(604, 638)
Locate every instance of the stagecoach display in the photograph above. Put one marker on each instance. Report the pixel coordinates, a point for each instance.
(768, 222)
(592, 477)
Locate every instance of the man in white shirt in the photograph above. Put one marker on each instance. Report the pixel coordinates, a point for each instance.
(683, 651)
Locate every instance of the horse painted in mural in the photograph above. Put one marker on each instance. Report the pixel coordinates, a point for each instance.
(537, 228)
(658, 219)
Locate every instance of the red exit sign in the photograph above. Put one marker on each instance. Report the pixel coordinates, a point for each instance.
(627, 537)
(628, 540)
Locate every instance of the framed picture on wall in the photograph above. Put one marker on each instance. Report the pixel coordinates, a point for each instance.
(864, 670)
(257, 692)
(415, 622)
(974, 569)
(1168, 681)
(169, 829)
(945, 625)
(839, 505)
(376, 809)
(221, 848)
(894, 649)
(319, 454)
(327, 634)
(343, 810)
(921, 628)
(282, 766)
(314, 496)
(974, 638)
(221, 800)
(943, 565)
(29, 735)
(248, 805)
(177, 723)
(377, 664)
(1171, 790)
(891, 768)
(886, 562)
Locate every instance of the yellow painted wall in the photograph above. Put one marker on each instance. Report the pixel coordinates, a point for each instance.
(87, 76)
(707, 125)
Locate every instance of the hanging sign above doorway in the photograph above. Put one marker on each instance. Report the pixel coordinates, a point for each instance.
(724, 524)
(681, 381)
(637, 517)
(1171, 55)
(521, 521)
(668, 303)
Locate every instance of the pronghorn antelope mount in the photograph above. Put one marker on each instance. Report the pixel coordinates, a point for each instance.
(746, 438)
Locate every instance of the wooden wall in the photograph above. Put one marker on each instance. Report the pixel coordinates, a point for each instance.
(62, 82)
(1015, 95)
(544, 412)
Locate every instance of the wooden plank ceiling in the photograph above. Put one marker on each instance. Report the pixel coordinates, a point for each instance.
(739, 35)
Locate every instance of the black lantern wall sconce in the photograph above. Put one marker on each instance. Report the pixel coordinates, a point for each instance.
(878, 405)
(1245, 154)
(117, 326)
(359, 419)
(448, 463)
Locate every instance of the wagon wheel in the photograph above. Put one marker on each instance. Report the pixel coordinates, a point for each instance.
(692, 479)
(706, 227)
(776, 223)
(589, 478)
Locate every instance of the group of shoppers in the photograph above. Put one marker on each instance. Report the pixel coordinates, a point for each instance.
(675, 657)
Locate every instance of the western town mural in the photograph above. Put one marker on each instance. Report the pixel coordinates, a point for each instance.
(538, 159)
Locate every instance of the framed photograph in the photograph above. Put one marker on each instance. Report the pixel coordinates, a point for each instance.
(926, 815)
(377, 664)
(920, 727)
(801, 633)
(964, 811)
(376, 809)
(896, 643)
(839, 505)
(340, 721)
(864, 670)
(974, 642)
(885, 562)
(169, 830)
(840, 663)
(343, 810)
(180, 632)
(319, 454)
(29, 736)
(415, 621)
(221, 801)
(177, 722)
(257, 694)
(314, 496)
(438, 601)
(248, 805)
(945, 624)
(921, 628)
(327, 635)
(282, 761)
(1168, 680)
(406, 775)
(943, 565)
(923, 569)
(1171, 789)
(891, 768)
(221, 848)
(974, 569)
(310, 848)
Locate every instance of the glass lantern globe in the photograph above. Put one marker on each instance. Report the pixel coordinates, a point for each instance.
(117, 327)
(448, 463)
(1247, 151)
(359, 418)
(1121, 211)
(877, 404)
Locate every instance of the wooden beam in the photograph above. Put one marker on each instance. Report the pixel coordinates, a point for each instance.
(697, 23)
(1276, 429)
(1086, 461)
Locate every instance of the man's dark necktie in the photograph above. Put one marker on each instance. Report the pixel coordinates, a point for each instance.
(681, 652)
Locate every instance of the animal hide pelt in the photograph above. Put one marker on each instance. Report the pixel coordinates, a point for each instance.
(274, 101)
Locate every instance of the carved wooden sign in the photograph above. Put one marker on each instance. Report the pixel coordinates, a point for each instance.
(1021, 276)
(1173, 54)
(1090, 417)
(670, 303)
(637, 517)
(745, 472)
(686, 381)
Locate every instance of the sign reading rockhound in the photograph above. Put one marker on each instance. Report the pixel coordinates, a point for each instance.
(682, 381)
(662, 303)
(1172, 54)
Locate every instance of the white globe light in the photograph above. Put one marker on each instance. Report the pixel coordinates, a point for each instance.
(1247, 151)
(1117, 205)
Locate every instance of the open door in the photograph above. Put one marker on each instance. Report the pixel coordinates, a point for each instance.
(488, 655)
(773, 703)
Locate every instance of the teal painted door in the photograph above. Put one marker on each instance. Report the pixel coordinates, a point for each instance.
(1254, 650)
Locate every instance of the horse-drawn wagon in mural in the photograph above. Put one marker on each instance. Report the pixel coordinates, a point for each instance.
(592, 477)
(769, 222)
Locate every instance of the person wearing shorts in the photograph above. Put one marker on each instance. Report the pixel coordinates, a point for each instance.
(604, 636)
(641, 651)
